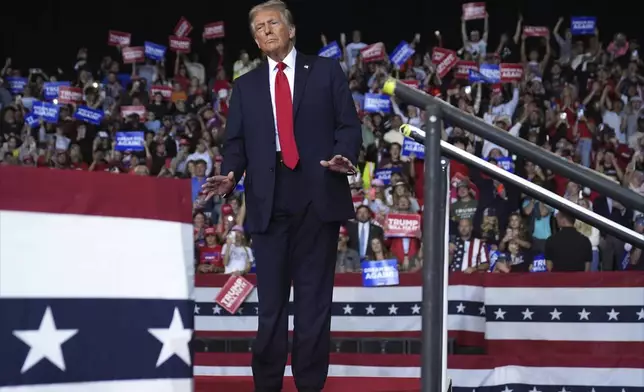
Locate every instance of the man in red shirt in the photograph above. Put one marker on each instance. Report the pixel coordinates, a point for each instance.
(210, 259)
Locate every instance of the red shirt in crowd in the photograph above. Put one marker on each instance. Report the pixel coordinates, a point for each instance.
(211, 255)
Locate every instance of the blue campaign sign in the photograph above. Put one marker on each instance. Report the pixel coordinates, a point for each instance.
(240, 185)
(50, 89)
(332, 50)
(380, 273)
(133, 141)
(583, 25)
(505, 163)
(32, 120)
(375, 103)
(154, 51)
(16, 84)
(539, 264)
(89, 115)
(487, 73)
(384, 175)
(401, 54)
(412, 147)
(47, 111)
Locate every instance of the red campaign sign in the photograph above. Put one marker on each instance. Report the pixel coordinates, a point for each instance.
(511, 72)
(437, 55)
(402, 225)
(472, 11)
(70, 95)
(462, 69)
(447, 62)
(411, 82)
(358, 200)
(129, 110)
(118, 38)
(373, 52)
(535, 31)
(133, 54)
(180, 44)
(233, 294)
(165, 91)
(214, 30)
(183, 28)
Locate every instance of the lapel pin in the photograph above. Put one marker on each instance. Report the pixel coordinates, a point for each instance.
(306, 66)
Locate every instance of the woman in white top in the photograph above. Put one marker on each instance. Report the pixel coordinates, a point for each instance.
(238, 258)
(592, 233)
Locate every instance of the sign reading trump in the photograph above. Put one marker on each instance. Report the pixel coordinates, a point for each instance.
(234, 293)
(402, 225)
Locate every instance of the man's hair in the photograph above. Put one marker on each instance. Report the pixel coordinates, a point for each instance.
(274, 5)
(566, 217)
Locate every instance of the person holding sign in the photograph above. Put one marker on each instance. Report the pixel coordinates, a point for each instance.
(293, 128)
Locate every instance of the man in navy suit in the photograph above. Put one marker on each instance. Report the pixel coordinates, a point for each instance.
(293, 128)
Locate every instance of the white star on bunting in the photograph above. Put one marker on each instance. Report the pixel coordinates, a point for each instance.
(527, 314)
(393, 309)
(45, 343)
(216, 310)
(583, 315)
(500, 314)
(370, 309)
(347, 309)
(415, 309)
(460, 308)
(175, 339)
(196, 309)
(612, 315)
(555, 315)
(640, 314)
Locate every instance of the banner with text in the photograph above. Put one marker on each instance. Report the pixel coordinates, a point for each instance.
(412, 147)
(445, 60)
(462, 69)
(473, 11)
(130, 141)
(214, 30)
(384, 175)
(179, 44)
(375, 103)
(583, 25)
(16, 84)
(536, 31)
(402, 225)
(511, 72)
(118, 38)
(47, 111)
(70, 95)
(234, 293)
(89, 115)
(183, 28)
(401, 54)
(377, 273)
(373, 52)
(332, 50)
(133, 54)
(154, 51)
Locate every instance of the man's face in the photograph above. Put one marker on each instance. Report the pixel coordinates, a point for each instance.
(362, 214)
(200, 170)
(464, 227)
(272, 34)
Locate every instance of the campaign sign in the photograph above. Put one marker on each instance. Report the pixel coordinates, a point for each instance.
(535, 31)
(183, 28)
(332, 51)
(384, 175)
(448, 59)
(377, 273)
(357, 200)
(240, 185)
(130, 110)
(487, 73)
(47, 111)
(214, 30)
(539, 264)
(462, 69)
(70, 95)
(511, 72)
(234, 293)
(32, 120)
(165, 91)
(472, 11)
(494, 257)
(16, 84)
(373, 52)
(154, 51)
(412, 147)
(375, 103)
(118, 38)
(132, 141)
(401, 54)
(583, 25)
(133, 54)
(89, 115)
(402, 225)
(50, 89)
(505, 163)
(179, 44)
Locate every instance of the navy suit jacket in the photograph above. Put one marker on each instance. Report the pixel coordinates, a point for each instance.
(325, 124)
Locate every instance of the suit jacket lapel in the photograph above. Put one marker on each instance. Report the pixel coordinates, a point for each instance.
(264, 96)
(302, 69)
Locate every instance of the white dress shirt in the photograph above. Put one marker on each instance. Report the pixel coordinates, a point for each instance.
(363, 237)
(289, 60)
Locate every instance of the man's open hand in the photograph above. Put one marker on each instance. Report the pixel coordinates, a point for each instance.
(219, 185)
(339, 164)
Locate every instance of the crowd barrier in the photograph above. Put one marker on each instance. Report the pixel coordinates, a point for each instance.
(545, 313)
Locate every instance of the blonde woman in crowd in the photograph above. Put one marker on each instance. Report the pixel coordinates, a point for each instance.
(592, 233)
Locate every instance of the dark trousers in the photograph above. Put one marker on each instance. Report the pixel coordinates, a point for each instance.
(299, 248)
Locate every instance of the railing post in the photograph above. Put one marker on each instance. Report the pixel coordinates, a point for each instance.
(433, 260)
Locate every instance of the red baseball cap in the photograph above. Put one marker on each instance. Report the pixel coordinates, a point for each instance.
(210, 231)
(227, 209)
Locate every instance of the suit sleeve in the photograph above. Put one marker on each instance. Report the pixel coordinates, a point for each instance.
(234, 149)
(348, 133)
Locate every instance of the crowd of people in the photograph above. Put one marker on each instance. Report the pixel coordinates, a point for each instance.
(579, 96)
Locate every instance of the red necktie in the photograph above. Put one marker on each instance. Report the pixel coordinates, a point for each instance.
(284, 111)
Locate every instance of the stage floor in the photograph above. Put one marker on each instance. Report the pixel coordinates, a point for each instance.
(333, 384)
